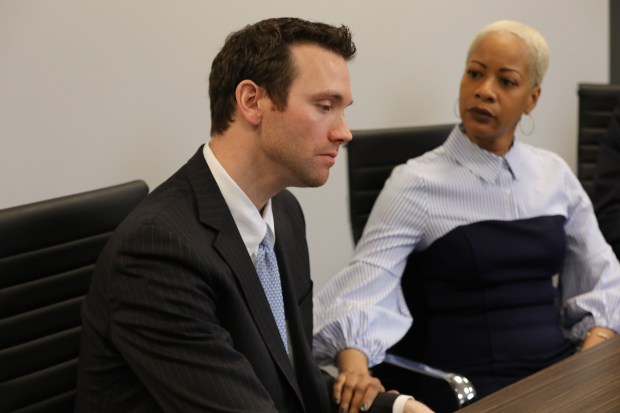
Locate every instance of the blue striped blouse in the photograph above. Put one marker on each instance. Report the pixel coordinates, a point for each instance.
(457, 184)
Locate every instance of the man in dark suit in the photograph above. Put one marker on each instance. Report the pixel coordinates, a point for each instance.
(177, 317)
(606, 196)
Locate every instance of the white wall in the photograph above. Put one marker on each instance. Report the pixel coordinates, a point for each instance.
(98, 92)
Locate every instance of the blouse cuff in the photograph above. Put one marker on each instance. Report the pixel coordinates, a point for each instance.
(579, 330)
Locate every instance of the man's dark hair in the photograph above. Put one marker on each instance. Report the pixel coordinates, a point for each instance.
(261, 52)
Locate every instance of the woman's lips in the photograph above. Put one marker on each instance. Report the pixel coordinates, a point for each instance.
(480, 114)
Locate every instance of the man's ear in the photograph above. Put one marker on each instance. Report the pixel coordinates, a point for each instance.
(248, 95)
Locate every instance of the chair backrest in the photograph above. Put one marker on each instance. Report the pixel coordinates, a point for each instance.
(596, 104)
(47, 254)
(371, 156)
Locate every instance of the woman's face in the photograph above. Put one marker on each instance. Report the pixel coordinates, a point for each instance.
(495, 91)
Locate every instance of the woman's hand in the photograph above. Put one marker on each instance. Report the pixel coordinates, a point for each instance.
(596, 335)
(354, 389)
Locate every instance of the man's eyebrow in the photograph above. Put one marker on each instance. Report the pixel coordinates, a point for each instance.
(332, 96)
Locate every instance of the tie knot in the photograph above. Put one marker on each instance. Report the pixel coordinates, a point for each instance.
(268, 239)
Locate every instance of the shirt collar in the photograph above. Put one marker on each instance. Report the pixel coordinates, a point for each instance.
(481, 162)
(251, 224)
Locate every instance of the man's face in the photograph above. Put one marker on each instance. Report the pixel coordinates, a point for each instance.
(301, 142)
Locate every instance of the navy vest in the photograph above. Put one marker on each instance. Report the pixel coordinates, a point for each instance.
(483, 301)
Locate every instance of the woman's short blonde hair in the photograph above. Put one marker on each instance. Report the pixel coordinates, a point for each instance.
(535, 45)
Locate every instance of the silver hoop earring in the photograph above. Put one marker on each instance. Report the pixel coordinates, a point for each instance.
(455, 109)
(532, 126)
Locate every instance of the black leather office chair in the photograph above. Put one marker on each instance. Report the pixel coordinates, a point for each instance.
(606, 190)
(596, 104)
(47, 254)
(373, 153)
(371, 156)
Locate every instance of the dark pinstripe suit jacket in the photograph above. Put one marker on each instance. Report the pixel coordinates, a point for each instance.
(176, 318)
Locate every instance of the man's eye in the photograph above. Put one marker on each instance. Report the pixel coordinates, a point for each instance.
(325, 108)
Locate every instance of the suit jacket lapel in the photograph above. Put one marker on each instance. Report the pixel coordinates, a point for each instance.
(295, 273)
(285, 235)
(214, 213)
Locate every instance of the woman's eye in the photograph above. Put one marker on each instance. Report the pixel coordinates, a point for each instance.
(508, 82)
(474, 74)
(325, 108)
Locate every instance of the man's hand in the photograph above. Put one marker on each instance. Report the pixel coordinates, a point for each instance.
(414, 406)
(354, 388)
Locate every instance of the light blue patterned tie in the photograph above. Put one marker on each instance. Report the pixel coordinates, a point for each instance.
(269, 275)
